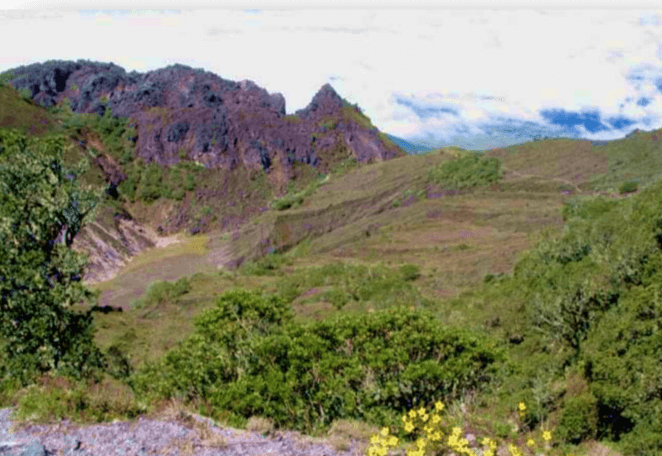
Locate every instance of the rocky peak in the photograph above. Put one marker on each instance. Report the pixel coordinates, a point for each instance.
(217, 122)
(325, 102)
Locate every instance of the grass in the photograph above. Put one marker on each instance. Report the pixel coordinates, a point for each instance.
(449, 253)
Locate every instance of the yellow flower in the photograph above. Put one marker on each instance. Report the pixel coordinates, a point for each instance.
(375, 440)
(522, 406)
(385, 431)
(409, 427)
(547, 436)
(436, 419)
(393, 441)
(439, 406)
(513, 450)
(531, 443)
(490, 443)
(412, 414)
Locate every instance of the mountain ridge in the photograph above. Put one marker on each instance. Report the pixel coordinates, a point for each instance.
(217, 122)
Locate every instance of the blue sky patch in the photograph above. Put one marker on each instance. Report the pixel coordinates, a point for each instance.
(569, 119)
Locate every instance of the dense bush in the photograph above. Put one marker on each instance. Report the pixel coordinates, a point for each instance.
(596, 288)
(249, 359)
(150, 183)
(622, 361)
(579, 418)
(470, 170)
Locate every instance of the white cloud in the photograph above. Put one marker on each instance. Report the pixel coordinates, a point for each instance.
(527, 61)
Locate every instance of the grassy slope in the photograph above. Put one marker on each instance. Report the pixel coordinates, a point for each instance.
(455, 239)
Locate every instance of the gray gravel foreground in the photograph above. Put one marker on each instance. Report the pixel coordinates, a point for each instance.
(149, 437)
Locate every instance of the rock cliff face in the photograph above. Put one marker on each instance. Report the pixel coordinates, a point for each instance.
(220, 123)
(180, 111)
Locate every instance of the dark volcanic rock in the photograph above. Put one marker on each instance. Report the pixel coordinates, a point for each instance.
(325, 101)
(220, 123)
(177, 131)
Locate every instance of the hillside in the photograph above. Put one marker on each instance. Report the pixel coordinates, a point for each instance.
(523, 274)
(176, 144)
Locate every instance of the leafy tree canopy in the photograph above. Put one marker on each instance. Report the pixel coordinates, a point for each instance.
(42, 208)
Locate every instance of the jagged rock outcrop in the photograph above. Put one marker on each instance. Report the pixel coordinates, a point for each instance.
(181, 111)
(219, 123)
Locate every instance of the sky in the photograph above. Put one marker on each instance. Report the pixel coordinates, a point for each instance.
(477, 79)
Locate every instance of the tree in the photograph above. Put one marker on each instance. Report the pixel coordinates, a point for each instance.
(42, 208)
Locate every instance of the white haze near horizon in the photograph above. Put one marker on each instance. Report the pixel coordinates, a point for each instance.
(477, 79)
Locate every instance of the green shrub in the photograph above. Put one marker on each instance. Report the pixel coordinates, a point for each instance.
(26, 94)
(74, 87)
(621, 368)
(182, 153)
(628, 187)
(266, 265)
(337, 297)
(249, 358)
(151, 183)
(579, 419)
(5, 77)
(178, 194)
(190, 182)
(287, 201)
(470, 170)
(127, 156)
(159, 292)
(410, 272)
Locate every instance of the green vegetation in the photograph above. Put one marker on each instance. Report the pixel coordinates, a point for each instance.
(469, 170)
(40, 334)
(159, 292)
(294, 200)
(26, 94)
(350, 113)
(265, 360)
(5, 77)
(328, 123)
(628, 187)
(563, 336)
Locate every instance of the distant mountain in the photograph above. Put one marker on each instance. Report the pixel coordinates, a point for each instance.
(410, 148)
